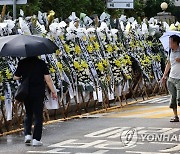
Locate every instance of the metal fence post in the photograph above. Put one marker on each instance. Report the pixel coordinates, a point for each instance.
(14, 9)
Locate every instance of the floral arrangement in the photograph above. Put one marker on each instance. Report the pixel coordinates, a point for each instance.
(90, 55)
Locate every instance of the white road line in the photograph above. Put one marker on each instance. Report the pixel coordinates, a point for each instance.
(158, 102)
(100, 133)
(155, 100)
(74, 144)
(173, 149)
(139, 152)
(97, 152)
(163, 143)
(56, 150)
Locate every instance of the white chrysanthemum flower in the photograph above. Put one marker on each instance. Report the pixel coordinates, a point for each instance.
(87, 21)
(105, 17)
(81, 32)
(122, 26)
(153, 29)
(128, 27)
(144, 28)
(134, 24)
(131, 19)
(53, 27)
(90, 30)
(10, 24)
(122, 18)
(103, 27)
(62, 24)
(166, 26)
(73, 17)
(24, 27)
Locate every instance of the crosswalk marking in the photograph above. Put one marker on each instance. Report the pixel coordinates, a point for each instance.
(157, 100)
(145, 109)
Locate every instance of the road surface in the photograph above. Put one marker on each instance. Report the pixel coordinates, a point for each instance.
(141, 128)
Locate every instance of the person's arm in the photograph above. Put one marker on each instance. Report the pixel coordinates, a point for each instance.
(18, 72)
(168, 67)
(178, 60)
(16, 78)
(50, 85)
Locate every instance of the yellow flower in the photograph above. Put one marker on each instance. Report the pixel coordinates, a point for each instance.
(92, 38)
(143, 63)
(8, 74)
(141, 44)
(129, 62)
(84, 38)
(67, 48)
(159, 58)
(152, 77)
(77, 65)
(108, 78)
(61, 37)
(43, 35)
(115, 48)
(51, 38)
(118, 63)
(84, 64)
(90, 48)
(131, 44)
(105, 62)
(137, 44)
(2, 98)
(96, 46)
(58, 52)
(147, 60)
(123, 61)
(60, 66)
(179, 27)
(109, 48)
(172, 27)
(120, 45)
(77, 49)
(128, 77)
(100, 66)
(150, 43)
(52, 70)
(52, 13)
(127, 57)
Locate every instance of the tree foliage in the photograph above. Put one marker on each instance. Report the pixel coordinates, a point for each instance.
(63, 8)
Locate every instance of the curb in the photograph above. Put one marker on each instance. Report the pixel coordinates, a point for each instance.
(80, 116)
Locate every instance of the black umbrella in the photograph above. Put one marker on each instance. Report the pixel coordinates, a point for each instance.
(25, 46)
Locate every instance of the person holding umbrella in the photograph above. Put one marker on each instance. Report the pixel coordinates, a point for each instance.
(34, 104)
(173, 69)
(36, 71)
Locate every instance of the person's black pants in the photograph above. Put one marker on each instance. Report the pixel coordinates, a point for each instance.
(34, 106)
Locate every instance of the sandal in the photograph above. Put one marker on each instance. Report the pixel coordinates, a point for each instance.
(175, 119)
